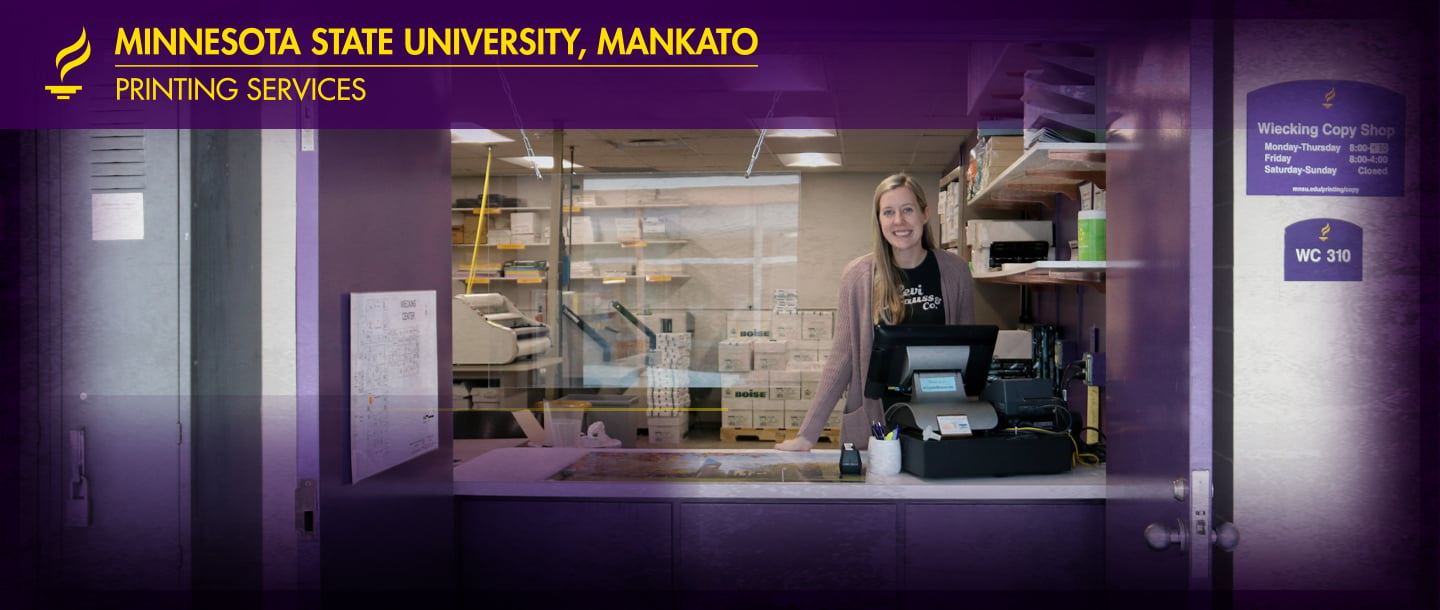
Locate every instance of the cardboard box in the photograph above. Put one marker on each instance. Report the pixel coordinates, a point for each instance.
(737, 419)
(747, 324)
(809, 381)
(785, 326)
(522, 223)
(735, 356)
(837, 416)
(818, 325)
(770, 414)
(770, 355)
(771, 347)
(739, 392)
(737, 405)
(795, 411)
(752, 385)
(469, 228)
(785, 385)
(757, 379)
(770, 362)
(667, 430)
(803, 359)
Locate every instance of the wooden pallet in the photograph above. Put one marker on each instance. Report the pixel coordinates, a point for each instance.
(730, 435)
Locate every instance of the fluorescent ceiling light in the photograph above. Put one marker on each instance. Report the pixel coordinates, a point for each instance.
(810, 159)
(797, 127)
(800, 133)
(477, 136)
(537, 161)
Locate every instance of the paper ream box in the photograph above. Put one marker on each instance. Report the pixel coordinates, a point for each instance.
(785, 326)
(817, 325)
(770, 417)
(734, 356)
(800, 359)
(770, 347)
(795, 411)
(756, 379)
(737, 419)
(743, 405)
(770, 361)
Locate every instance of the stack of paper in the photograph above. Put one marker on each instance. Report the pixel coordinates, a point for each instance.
(669, 375)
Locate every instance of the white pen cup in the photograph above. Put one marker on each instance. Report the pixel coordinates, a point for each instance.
(884, 456)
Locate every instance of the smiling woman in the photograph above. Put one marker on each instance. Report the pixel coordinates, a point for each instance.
(904, 280)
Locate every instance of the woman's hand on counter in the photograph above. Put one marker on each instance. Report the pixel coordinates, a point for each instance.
(795, 444)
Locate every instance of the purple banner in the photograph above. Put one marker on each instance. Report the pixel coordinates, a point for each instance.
(1325, 138)
(1323, 250)
(632, 65)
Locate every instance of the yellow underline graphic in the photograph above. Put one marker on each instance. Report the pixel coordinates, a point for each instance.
(437, 66)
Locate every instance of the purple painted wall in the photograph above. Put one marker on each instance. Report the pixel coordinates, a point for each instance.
(383, 224)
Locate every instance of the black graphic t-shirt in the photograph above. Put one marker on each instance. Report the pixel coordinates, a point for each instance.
(922, 294)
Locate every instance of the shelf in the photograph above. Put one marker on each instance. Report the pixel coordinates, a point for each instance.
(503, 246)
(498, 210)
(631, 206)
(648, 242)
(1047, 169)
(652, 277)
(517, 280)
(953, 175)
(1066, 273)
(574, 208)
(642, 243)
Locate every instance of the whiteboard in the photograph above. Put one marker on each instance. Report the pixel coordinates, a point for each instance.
(394, 398)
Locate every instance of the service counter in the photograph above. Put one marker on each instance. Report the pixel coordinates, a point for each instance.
(531, 472)
(751, 520)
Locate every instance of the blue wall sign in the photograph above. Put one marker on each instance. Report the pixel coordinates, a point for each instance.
(1323, 250)
(1325, 138)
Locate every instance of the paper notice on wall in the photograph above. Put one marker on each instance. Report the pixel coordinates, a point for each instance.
(117, 216)
(393, 379)
(787, 300)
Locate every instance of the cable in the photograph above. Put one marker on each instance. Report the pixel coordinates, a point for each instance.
(1064, 379)
(1097, 431)
(1076, 458)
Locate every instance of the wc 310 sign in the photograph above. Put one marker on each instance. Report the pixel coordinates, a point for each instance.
(1323, 250)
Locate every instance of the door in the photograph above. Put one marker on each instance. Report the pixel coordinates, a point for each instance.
(1157, 413)
(112, 364)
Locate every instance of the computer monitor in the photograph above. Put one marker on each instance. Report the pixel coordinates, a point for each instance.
(930, 362)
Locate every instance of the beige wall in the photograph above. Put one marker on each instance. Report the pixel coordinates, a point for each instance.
(835, 228)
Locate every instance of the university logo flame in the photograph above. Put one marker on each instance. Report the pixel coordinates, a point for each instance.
(1324, 232)
(64, 92)
(1329, 97)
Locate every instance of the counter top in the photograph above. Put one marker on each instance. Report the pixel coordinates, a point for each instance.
(526, 472)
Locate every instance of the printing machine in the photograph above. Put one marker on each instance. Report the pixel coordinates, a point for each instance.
(489, 329)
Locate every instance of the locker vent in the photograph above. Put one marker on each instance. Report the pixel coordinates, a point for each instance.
(117, 160)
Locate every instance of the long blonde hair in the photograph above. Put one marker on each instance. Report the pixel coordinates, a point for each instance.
(889, 306)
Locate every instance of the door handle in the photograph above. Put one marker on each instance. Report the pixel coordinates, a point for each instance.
(77, 496)
(1159, 536)
(1225, 537)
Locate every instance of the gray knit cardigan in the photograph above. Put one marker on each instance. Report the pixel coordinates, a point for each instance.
(854, 329)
